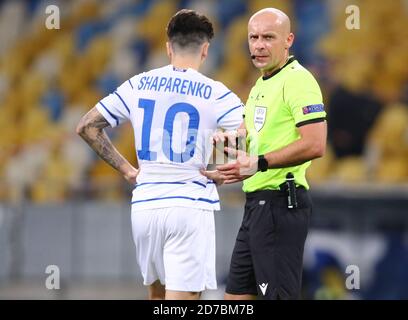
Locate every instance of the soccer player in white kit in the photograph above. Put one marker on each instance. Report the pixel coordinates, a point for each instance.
(174, 111)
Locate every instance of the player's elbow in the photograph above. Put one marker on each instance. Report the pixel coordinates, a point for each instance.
(81, 128)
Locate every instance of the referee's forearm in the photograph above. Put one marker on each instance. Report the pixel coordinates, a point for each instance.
(294, 154)
(311, 145)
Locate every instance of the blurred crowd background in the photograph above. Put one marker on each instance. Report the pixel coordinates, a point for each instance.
(50, 78)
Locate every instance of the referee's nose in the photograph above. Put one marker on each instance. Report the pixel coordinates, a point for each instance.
(259, 45)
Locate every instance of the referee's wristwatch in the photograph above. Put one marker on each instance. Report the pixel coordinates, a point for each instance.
(262, 163)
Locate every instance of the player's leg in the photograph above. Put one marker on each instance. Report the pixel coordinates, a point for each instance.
(147, 236)
(182, 295)
(189, 253)
(156, 291)
(241, 283)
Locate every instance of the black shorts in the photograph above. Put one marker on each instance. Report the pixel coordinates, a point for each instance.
(268, 254)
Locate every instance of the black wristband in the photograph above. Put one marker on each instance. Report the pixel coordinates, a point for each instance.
(262, 163)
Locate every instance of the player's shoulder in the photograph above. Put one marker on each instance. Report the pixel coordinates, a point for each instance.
(161, 71)
(137, 78)
(203, 78)
(219, 89)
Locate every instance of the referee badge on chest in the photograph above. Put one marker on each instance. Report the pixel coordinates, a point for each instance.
(259, 117)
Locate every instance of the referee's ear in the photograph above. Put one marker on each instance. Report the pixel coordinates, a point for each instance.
(289, 40)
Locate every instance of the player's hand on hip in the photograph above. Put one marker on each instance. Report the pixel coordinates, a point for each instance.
(131, 175)
(214, 175)
(243, 167)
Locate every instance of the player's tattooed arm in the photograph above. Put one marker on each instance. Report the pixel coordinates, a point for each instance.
(91, 129)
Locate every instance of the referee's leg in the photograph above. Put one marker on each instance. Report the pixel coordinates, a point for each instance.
(277, 252)
(230, 296)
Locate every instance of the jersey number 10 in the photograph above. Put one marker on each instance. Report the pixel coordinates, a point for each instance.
(194, 119)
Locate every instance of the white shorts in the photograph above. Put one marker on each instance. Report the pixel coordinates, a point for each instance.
(176, 246)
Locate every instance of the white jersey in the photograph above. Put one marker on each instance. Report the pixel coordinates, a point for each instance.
(174, 113)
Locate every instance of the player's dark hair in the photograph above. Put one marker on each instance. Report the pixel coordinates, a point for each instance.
(189, 29)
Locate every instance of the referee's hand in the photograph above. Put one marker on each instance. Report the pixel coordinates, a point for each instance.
(243, 167)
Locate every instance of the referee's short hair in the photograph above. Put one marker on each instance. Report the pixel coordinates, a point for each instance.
(188, 29)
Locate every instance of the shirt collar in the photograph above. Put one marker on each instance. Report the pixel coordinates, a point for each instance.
(290, 60)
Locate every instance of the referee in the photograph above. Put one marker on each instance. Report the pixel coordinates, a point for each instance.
(285, 129)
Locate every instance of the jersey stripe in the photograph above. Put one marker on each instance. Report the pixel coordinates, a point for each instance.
(178, 197)
(160, 182)
(200, 184)
(173, 182)
(224, 95)
(122, 101)
(232, 109)
(110, 113)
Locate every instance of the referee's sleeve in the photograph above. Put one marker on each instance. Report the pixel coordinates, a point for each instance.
(303, 96)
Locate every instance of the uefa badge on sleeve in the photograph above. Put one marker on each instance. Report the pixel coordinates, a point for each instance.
(259, 118)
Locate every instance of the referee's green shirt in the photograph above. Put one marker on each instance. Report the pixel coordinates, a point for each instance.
(276, 106)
